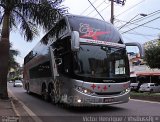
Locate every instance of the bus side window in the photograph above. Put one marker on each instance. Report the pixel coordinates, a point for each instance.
(41, 70)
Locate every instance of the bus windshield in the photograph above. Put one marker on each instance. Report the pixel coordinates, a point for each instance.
(101, 62)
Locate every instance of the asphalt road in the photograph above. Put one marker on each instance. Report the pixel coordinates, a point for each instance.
(136, 111)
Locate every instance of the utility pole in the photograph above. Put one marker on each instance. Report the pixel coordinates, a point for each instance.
(112, 8)
(112, 11)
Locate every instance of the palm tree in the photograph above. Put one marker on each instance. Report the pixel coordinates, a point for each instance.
(27, 16)
(12, 63)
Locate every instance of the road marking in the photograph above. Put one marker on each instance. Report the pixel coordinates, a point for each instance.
(30, 113)
(145, 101)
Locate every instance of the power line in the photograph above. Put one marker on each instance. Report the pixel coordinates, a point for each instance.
(140, 34)
(143, 35)
(124, 36)
(146, 36)
(96, 7)
(136, 33)
(141, 25)
(87, 8)
(103, 9)
(148, 16)
(105, 2)
(96, 10)
(141, 19)
(127, 22)
(130, 8)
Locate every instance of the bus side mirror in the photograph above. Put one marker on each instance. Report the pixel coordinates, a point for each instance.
(140, 47)
(75, 41)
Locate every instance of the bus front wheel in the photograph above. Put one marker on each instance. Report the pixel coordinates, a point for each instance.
(55, 92)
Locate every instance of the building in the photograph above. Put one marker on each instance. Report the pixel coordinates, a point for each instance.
(138, 68)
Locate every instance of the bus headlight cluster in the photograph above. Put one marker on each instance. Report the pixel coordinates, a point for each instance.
(125, 91)
(83, 90)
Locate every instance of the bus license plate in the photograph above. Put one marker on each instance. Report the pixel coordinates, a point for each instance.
(108, 100)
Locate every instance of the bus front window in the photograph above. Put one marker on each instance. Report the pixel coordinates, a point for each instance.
(101, 62)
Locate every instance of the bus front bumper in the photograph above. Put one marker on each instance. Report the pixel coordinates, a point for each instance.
(80, 99)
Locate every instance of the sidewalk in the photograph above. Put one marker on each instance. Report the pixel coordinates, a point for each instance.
(6, 108)
(12, 111)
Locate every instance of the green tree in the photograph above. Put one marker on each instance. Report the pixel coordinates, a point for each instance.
(152, 55)
(12, 63)
(27, 16)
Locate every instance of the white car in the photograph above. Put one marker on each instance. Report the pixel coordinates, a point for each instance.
(150, 87)
(17, 83)
(134, 86)
(10, 81)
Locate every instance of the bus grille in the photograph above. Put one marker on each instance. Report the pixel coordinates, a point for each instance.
(107, 93)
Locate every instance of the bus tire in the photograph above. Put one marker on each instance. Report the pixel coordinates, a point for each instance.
(55, 92)
(27, 88)
(50, 89)
(44, 93)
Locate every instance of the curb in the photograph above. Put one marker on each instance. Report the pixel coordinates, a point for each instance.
(14, 109)
(146, 101)
(13, 106)
(31, 114)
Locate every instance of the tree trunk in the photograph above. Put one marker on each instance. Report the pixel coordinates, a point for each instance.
(4, 56)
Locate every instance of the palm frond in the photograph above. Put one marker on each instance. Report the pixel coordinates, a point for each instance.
(2, 5)
(44, 13)
(12, 21)
(1, 19)
(12, 61)
(27, 28)
(14, 52)
(31, 14)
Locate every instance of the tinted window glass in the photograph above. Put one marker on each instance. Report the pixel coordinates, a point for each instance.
(64, 53)
(101, 61)
(40, 71)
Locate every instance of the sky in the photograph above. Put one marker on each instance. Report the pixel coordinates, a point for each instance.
(130, 12)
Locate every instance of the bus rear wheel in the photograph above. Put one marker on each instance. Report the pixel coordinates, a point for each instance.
(44, 93)
(27, 88)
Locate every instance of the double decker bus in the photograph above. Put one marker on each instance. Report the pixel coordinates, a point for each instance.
(83, 62)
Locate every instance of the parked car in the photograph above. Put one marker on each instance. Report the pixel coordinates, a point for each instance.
(10, 81)
(150, 87)
(134, 86)
(17, 83)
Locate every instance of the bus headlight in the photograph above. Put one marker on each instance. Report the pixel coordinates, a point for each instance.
(84, 90)
(79, 100)
(125, 91)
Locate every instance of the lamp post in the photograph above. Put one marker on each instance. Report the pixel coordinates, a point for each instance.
(143, 15)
